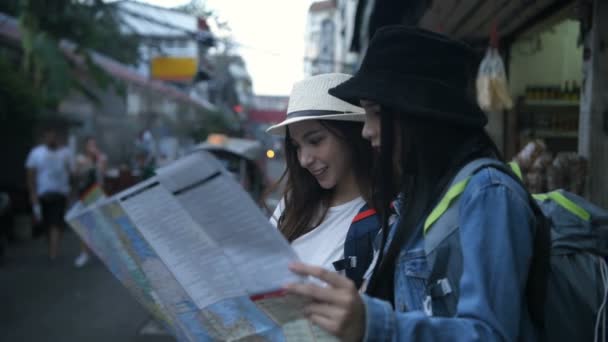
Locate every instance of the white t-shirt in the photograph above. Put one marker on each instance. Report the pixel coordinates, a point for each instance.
(325, 244)
(52, 169)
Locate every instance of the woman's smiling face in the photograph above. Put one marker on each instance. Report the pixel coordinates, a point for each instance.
(322, 153)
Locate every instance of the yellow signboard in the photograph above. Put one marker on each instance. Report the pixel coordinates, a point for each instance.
(173, 68)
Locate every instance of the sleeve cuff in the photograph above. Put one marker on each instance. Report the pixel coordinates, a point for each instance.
(379, 319)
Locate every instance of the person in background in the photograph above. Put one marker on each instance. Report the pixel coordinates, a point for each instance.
(468, 284)
(89, 170)
(144, 161)
(48, 181)
(328, 179)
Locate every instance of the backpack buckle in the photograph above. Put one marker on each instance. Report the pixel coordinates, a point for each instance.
(427, 306)
(346, 263)
(441, 288)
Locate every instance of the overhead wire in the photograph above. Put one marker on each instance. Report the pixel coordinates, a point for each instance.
(231, 42)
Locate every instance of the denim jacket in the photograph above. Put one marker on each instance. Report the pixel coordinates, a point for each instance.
(496, 232)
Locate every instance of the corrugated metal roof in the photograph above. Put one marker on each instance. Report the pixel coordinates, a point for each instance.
(472, 20)
(469, 20)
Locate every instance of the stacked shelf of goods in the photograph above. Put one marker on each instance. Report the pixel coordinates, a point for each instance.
(555, 121)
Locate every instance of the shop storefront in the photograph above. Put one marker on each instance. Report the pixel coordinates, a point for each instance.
(545, 75)
(555, 57)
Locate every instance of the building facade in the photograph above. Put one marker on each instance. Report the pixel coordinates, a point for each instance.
(329, 30)
(180, 49)
(174, 45)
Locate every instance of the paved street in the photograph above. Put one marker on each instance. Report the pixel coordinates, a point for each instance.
(44, 301)
(40, 301)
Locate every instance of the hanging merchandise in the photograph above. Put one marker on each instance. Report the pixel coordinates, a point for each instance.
(492, 89)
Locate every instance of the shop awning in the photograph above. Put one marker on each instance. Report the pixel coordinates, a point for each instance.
(472, 20)
(469, 20)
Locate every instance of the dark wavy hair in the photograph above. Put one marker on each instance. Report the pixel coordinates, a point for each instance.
(428, 155)
(306, 202)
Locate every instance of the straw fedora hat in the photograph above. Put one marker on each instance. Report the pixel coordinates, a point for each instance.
(309, 100)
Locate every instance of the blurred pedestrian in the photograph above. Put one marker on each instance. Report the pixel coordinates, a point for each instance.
(144, 161)
(48, 180)
(89, 171)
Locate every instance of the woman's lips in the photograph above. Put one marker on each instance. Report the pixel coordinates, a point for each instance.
(318, 172)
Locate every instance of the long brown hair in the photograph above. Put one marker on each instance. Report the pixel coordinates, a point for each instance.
(306, 202)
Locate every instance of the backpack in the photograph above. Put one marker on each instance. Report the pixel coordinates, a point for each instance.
(568, 280)
(359, 245)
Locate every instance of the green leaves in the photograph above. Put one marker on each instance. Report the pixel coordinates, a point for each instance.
(19, 105)
(92, 25)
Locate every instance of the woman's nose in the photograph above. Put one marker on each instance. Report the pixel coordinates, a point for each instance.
(305, 158)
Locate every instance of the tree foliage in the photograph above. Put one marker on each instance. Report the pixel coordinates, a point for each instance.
(18, 105)
(91, 25)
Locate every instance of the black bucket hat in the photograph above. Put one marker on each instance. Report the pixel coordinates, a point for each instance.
(419, 73)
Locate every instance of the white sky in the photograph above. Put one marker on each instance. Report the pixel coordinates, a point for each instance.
(272, 32)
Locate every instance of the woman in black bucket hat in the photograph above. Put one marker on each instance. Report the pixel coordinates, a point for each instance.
(455, 263)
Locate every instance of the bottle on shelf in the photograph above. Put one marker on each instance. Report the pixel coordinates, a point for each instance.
(566, 91)
(544, 92)
(548, 92)
(557, 92)
(528, 93)
(551, 93)
(576, 91)
(533, 93)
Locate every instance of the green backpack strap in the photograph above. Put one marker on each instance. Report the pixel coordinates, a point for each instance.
(563, 201)
(555, 196)
(515, 168)
(445, 203)
(539, 268)
(457, 188)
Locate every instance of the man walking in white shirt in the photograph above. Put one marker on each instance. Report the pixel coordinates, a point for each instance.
(48, 180)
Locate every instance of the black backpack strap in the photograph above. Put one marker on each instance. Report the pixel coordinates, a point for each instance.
(538, 274)
(359, 245)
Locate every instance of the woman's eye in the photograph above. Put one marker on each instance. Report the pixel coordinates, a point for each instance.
(315, 141)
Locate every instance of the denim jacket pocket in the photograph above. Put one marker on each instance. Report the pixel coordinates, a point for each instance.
(410, 280)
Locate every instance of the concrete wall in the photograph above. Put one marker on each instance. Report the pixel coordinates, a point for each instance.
(551, 57)
(317, 61)
(341, 59)
(593, 125)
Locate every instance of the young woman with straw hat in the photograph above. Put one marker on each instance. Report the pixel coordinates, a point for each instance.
(328, 176)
